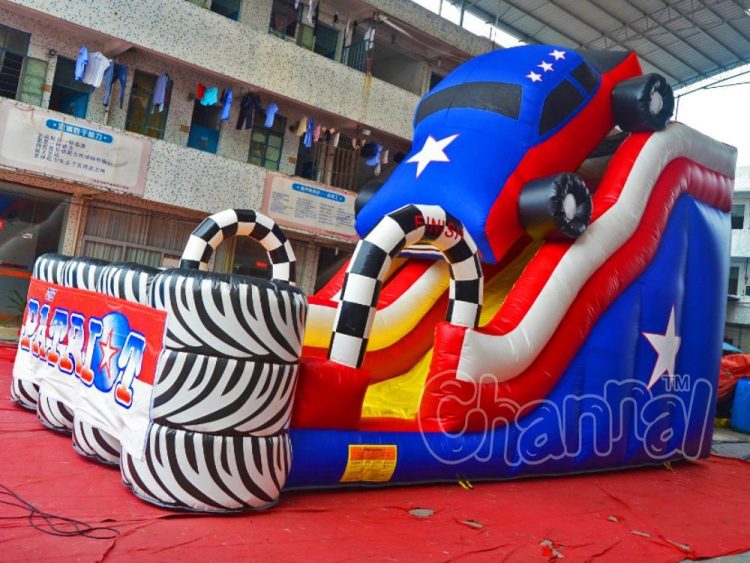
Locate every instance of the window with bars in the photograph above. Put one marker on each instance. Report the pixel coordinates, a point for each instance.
(21, 77)
(143, 117)
(266, 143)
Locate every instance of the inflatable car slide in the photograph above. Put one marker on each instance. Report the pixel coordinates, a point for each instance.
(535, 292)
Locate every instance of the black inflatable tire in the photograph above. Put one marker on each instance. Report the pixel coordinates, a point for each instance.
(50, 267)
(221, 395)
(231, 315)
(643, 103)
(554, 208)
(250, 471)
(127, 280)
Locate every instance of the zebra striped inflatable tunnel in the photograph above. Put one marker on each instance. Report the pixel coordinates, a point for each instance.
(221, 378)
(407, 226)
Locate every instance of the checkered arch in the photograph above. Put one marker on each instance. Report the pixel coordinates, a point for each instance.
(243, 222)
(409, 225)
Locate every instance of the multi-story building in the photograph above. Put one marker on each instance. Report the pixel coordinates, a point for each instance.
(129, 180)
(737, 329)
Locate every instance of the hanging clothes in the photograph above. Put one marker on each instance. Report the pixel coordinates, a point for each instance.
(160, 91)
(226, 104)
(116, 72)
(95, 69)
(200, 91)
(301, 127)
(308, 140)
(271, 111)
(316, 134)
(81, 61)
(210, 97)
(348, 31)
(311, 11)
(249, 103)
(384, 156)
(335, 138)
(369, 39)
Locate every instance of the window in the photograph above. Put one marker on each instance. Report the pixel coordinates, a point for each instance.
(326, 41)
(586, 77)
(134, 235)
(31, 224)
(68, 95)
(734, 278)
(265, 144)
(227, 8)
(13, 47)
(497, 97)
(559, 106)
(435, 79)
(204, 127)
(33, 75)
(738, 217)
(143, 117)
(284, 18)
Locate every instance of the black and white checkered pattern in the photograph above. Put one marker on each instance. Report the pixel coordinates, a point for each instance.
(243, 222)
(410, 225)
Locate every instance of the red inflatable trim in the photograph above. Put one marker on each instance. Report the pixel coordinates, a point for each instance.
(328, 395)
(500, 402)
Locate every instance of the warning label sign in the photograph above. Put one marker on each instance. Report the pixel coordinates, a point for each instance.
(370, 463)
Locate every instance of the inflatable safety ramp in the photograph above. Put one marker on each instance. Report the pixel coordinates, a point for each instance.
(182, 377)
(573, 355)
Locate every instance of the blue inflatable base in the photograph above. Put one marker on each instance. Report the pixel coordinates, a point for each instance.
(601, 415)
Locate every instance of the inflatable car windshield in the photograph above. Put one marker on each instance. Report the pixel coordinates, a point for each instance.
(532, 295)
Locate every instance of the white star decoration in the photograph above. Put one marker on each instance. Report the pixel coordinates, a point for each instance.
(666, 345)
(557, 54)
(432, 151)
(534, 77)
(108, 352)
(545, 66)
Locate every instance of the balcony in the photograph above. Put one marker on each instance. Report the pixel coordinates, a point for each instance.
(245, 55)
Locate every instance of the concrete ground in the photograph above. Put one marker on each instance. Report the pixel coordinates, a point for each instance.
(728, 443)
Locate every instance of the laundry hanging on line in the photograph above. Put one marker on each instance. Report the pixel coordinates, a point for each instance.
(81, 61)
(160, 91)
(95, 68)
(210, 97)
(226, 104)
(116, 72)
(249, 103)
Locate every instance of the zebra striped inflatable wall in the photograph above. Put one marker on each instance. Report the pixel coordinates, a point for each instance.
(220, 406)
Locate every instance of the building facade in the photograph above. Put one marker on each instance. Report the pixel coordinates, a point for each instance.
(737, 331)
(129, 180)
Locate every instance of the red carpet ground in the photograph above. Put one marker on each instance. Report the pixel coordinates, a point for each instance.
(696, 510)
